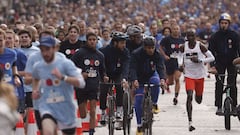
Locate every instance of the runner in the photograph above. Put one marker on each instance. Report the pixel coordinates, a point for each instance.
(91, 61)
(53, 81)
(34, 58)
(20, 63)
(169, 48)
(8, 59)
(195, 55)
(25, 40)
(72, 44)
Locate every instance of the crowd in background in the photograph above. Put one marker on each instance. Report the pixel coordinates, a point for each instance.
(105, 13)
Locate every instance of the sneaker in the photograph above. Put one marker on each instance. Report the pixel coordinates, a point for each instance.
(155, 109)
(175, 101)
(219, 111)
(103, 119)
(139, 131)
(191, 128)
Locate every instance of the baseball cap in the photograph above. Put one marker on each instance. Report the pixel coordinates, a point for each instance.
(47, 41)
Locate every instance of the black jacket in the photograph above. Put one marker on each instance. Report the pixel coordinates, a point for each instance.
(92, 62)
(224, 45)
(131, 46)
(143, 66)
(116, 62)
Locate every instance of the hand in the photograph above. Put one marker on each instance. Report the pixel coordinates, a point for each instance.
(181, 68)
(105, 79)
(85, 75)
(17, 81)
(166, 57)
(57, 73)
(213, 70)
(195, 60)
(35, 94)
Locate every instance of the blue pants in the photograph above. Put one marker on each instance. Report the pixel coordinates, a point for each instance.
(139, 96)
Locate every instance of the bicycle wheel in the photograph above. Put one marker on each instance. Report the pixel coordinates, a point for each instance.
(238, 112)
(227, 115)
(111, 117)
(148, 115)
(150, 118)
(126, 113)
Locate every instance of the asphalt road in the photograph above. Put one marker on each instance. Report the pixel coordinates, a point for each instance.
(172, 120)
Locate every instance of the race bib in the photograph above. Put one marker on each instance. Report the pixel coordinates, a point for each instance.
(55, 97)
(92, 73)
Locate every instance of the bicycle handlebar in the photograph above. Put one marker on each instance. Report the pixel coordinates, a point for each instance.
(149, 85)
(109, 83)
(220, 79)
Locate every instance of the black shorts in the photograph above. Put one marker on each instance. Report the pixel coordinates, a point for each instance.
(21, 106)
(28, 99)
(171, 66)
(69, 131)
(84, 95)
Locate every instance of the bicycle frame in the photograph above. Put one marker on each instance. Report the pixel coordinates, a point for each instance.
(111, 105)
(228, 103)
(127, 111)
(147, 117)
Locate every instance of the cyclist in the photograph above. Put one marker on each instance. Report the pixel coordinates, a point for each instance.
(146, 66)
(169, 48)
(195, 55)
(91, 61)
(135, 37)
(53, 80)
(224, 45)
(117, 60)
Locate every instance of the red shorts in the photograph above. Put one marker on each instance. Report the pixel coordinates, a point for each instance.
(195, 84)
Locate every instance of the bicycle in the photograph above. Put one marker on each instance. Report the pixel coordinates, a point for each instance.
(228, 103)
(127, 111)
(147, 116)
(111, 99)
